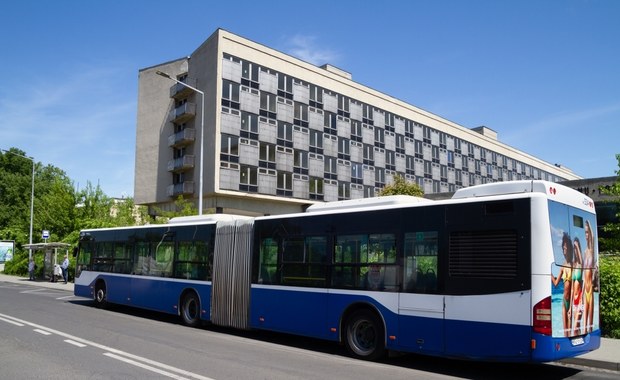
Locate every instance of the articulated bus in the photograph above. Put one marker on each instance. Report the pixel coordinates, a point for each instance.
(500, 272)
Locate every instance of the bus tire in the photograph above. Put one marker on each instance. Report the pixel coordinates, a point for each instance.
(364, 335)
(190, 309)
(101, 295)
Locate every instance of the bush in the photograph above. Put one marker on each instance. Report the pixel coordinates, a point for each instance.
(610, 295)
(18, 266)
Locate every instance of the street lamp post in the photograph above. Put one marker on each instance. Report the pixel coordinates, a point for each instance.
(31, 199)
(202, 129)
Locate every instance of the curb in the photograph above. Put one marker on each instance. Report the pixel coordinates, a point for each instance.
(611, 366)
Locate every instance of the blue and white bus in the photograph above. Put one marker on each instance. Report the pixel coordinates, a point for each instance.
(501, 272)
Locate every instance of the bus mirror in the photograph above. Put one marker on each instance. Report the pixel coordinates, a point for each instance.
(75, 251)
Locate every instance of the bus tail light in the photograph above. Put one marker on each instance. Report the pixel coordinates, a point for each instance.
(542, 317)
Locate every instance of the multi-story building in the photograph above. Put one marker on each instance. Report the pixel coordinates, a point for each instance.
(279, 133)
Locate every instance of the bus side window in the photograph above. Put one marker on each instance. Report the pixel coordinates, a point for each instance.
(163, 259)
(421, 262)
(140, 265)
(268, 264)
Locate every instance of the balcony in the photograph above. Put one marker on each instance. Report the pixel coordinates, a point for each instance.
(179, 91)
(181, 164)
(182, 113)
(184, 137)
(183, 188)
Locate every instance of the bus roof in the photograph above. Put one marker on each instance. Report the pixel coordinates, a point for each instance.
(551, 190)
(389, 200)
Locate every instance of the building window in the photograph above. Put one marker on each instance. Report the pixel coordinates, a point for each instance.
(301, 115)
(435, 153)
(427, 134)
(410, 165)
(230, 94)
(229, 149)
(400, 144)
(285, 134)
(301, 162)
(316, 188)
(331, 167)
(249, 125)
(356, 131)
(343, 106)
(285, 86)
(389, 122)
(249, 74)
(316, 97)
(390, 160)
(367, 114)
(267, 158)
(357, 173)
(379, 177)
(379, 137)
(330, 123)
(369, 154)
(248, 178)
(344, 191)
(285, 184)
(316, 142)
(268, 105)
(344, 148)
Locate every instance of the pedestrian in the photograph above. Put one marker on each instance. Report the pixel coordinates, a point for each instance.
(31, 268)
(65, 267)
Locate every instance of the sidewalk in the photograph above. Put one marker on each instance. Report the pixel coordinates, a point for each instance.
(606, 357)
(40, 283)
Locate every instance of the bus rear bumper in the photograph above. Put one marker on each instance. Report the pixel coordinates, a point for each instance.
(547, 349)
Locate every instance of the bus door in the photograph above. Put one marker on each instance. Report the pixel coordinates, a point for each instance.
(420, 309)
(152, 262)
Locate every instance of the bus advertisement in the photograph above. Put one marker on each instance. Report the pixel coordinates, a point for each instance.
(500, 272)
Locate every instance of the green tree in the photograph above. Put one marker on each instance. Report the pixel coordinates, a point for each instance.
(612, 241)
(400, 186)
(182, 207)
(610, 295)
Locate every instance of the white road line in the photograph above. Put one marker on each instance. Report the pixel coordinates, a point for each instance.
(43, 332)
(80, 345)
(147, 367)
(189, 375)
(33, 291)
(12, 322)
(66, 297)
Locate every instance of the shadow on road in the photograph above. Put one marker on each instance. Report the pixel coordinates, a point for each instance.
(449, 367)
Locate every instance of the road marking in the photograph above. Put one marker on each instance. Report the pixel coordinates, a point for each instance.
(153, 363)
(12, 322)
(43, 332)
(80, 345)
(33, 291)
(66, 297)
(144, 366)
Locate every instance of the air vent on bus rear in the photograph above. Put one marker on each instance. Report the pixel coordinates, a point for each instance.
(483, 254)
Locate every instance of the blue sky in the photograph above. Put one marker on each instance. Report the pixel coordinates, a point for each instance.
(544, 74)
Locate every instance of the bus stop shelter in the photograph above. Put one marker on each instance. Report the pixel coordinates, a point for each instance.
(51, 268)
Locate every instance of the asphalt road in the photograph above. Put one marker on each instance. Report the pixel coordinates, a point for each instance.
(49, 334)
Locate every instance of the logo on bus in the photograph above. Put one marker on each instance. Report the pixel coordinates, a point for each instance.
(588, 203)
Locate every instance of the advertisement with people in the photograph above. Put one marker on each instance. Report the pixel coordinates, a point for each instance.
(6, 250)
(574, 274)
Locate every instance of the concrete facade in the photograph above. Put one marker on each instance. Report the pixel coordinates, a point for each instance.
(281, 134)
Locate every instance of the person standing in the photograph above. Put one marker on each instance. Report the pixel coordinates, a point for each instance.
(31, 269)
(65, 267)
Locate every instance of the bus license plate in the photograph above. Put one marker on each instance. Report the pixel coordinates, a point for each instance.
(577, 341)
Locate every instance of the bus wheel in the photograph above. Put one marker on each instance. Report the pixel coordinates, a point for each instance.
(190, 309)
(101, 296)
(365, 338)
